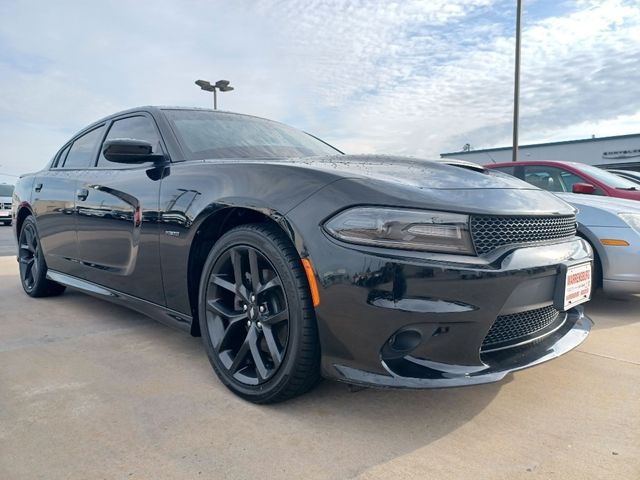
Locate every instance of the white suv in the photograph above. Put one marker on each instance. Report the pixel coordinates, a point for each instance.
(6, 192)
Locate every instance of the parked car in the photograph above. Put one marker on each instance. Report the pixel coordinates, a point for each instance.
(6, 194)
(612, 227)
(570, 177)
(292, 260)
(628, 174)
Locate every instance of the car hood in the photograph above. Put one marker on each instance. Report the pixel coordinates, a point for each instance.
(403, 181)
(610, 204)
(5, 199)
(412, 172)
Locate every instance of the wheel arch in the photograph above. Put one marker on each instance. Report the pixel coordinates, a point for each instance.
(23, 212)
(209, 231)
(598, 253)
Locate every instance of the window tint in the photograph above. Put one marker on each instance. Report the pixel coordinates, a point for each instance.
(138, 128)
(63, 154)
(83, 150)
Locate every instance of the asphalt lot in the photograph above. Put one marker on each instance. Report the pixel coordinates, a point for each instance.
(92, 390)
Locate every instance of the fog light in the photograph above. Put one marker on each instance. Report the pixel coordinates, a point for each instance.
(405, 341)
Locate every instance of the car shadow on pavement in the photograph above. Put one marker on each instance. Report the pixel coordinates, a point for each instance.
(381, 424)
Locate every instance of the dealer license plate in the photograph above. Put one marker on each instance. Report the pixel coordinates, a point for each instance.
(577, 285)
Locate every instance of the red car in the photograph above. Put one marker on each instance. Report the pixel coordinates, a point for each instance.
(570, 177)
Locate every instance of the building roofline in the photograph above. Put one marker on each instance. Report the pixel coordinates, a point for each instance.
(533, 145)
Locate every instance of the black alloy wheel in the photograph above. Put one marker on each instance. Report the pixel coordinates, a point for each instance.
(255, 315)
(33, 268)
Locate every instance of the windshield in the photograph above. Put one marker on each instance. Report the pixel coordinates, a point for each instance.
(206, 134)
(6, 190)
(608, 178)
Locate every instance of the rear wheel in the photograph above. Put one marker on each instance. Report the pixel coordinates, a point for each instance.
(33, 268)
(256, 318)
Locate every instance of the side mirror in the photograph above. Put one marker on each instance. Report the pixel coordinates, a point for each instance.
(129, 150)
(583, 188)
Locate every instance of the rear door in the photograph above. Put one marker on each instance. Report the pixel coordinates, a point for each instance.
(117, 217)
(53, 200)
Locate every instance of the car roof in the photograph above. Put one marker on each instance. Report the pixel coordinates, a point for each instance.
(158, 109)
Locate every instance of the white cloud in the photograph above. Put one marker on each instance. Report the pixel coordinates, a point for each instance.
(411, 77)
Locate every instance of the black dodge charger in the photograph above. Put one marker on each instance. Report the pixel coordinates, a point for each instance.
(294, 261)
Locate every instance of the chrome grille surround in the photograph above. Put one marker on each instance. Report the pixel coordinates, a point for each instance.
(513, 329)
(490, 232)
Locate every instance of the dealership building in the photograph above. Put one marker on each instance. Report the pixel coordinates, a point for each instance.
(621, 151)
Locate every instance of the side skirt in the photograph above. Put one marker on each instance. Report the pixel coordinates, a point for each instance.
(165, 315)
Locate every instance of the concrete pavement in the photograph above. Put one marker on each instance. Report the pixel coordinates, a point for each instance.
(7, 243)
(92, 390)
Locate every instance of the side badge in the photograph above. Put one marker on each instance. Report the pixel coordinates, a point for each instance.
(172, 233)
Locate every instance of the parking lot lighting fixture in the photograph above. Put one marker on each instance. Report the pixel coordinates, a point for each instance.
(222, 85)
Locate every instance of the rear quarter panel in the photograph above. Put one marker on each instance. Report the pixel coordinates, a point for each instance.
(21, 199)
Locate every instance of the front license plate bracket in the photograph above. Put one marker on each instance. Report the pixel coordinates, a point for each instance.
(573, 285)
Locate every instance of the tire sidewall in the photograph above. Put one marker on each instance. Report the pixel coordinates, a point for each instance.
(295, 304)
(42, 267)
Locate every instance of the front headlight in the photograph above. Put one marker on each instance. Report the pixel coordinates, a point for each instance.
(405, 229)
(633, 219)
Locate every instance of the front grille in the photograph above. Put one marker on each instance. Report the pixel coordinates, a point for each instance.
(491, 232)
(5, 206)
(517, 326)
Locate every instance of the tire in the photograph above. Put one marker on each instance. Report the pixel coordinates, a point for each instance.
(33, 268)
(256, 317)
(597, 280)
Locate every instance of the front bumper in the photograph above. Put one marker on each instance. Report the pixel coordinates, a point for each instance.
(368, 296)
(497, 364)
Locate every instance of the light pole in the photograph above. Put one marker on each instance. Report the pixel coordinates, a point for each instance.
(222, 85)
(516, 84)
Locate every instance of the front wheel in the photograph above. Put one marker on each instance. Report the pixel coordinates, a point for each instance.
(33, 268)
(256, 317)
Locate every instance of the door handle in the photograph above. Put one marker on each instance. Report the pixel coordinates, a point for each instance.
(38, 187)
(82, 194)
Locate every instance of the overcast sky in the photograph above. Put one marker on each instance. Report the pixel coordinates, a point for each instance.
(408, 77)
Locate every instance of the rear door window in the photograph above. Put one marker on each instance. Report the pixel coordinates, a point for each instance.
(84, 149)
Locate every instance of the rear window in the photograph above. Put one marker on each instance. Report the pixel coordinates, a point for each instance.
(84, 150)
(206, 134)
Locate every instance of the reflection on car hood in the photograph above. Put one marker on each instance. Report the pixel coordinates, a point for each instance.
(610, 204)
(411, 172)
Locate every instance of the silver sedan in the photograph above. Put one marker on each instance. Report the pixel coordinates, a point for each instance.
(612, 227)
